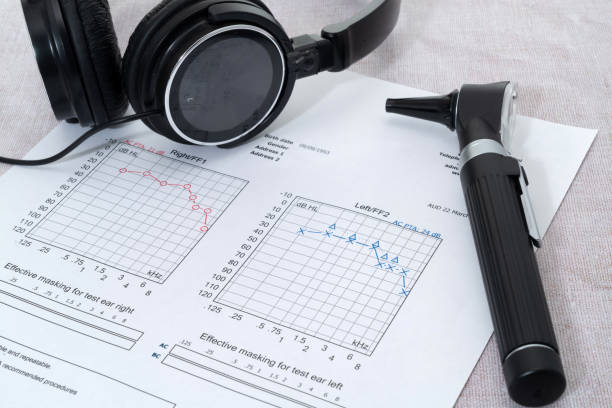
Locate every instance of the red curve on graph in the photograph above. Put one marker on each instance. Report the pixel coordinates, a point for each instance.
(186, 187)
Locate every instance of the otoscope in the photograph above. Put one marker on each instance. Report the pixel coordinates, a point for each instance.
(505, 230)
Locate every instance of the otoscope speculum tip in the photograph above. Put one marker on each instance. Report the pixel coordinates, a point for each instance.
(439, 109)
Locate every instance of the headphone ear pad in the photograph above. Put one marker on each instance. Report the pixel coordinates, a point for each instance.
(137, 66)
(95, 42)
(135, 42)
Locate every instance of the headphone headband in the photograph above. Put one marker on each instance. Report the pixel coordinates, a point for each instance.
(360, 35)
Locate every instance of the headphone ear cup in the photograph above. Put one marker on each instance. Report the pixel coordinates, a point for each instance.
(148, 46)
(95, 44)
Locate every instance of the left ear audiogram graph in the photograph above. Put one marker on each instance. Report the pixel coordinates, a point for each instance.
(139, 212)
(332, 273)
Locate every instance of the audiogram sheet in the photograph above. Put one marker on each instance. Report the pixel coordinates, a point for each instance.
(326, 263)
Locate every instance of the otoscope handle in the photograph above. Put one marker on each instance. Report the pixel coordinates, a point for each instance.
(523, 327)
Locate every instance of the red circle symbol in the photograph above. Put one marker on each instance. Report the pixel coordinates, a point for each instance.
(208, 211)
(187, 186)
(122, 171)
(204, 228)
(163, 183)
(146, 174)
(196, 207)
(193, 197)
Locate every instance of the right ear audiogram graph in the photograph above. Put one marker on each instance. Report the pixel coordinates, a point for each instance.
(331, 273)
(139, 212)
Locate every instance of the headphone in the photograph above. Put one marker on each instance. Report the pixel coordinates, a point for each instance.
(203, 72)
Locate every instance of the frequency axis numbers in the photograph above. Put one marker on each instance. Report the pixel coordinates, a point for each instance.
(105, 273)
(85, 267)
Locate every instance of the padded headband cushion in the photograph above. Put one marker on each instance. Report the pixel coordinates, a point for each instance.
(91, 27)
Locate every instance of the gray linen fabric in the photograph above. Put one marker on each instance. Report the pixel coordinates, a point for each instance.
(560, 51)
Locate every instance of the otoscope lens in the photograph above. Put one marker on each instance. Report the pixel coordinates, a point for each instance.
(509, 113)
(226, 86)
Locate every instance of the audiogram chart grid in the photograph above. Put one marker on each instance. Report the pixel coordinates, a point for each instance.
(332, 273)
(139, 212)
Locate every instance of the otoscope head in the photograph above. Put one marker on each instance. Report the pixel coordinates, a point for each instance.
(482, 111)
(439, 109)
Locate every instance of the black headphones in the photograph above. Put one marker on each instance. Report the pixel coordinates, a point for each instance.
(205, 72)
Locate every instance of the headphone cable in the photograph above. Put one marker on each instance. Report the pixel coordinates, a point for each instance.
(91, 132)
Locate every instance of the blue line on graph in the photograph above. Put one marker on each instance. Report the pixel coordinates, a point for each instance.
(328, 233)
(376, 253)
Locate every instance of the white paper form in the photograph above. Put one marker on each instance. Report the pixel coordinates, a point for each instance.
(328, 263)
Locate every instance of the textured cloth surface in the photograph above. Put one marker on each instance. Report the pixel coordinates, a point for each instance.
(560, 52)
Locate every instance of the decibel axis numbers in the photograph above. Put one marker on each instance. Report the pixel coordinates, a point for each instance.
(36, 214)
(215, 284)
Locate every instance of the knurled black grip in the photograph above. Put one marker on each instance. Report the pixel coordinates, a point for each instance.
(507, 260)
